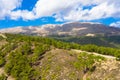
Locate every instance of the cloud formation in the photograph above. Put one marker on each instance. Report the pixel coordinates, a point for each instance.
(6, 7)
(62, 10)
(116, 24)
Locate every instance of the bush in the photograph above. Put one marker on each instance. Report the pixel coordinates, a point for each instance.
(3, 77)
(2, 61)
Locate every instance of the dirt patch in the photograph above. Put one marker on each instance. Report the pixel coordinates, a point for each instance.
(57, 64)
(3, 42)
(107, 70)
(2, 71)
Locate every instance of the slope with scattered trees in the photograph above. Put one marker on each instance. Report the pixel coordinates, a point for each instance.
(34, 58)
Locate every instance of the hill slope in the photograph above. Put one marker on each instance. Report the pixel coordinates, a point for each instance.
(37, 58)
(106, 41)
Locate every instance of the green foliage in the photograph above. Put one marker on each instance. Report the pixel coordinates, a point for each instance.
(86, 61)
(101, 50)
(3, 77)
(118, 57)
(106, 41)
(19, 66)
(2, 61)
(39, 50)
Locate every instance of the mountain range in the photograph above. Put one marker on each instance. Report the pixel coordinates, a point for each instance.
(66, 29)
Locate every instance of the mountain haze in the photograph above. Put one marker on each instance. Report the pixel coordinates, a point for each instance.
(67, 29)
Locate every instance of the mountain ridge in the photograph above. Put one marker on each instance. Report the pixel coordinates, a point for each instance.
(66, 29)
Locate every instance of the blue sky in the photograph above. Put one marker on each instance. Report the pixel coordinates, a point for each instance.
(40, 12)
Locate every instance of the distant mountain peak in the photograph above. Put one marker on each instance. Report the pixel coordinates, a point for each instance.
(70, 28)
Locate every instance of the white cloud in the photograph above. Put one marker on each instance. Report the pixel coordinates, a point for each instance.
(25, 14)
(6, 6)
(63, 10)
(116, 24)
(101, 10)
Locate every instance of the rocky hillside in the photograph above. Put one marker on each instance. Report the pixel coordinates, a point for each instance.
(39, 58)
(71, 29)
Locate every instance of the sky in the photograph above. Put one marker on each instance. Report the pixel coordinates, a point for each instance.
(40, 12)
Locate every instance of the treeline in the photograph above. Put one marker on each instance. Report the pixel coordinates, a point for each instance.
(102, 50)
(65, 45)
(97, 40)
(12, 38)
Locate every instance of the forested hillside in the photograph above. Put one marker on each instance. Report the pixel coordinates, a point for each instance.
(106, 41)
(39, 58)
